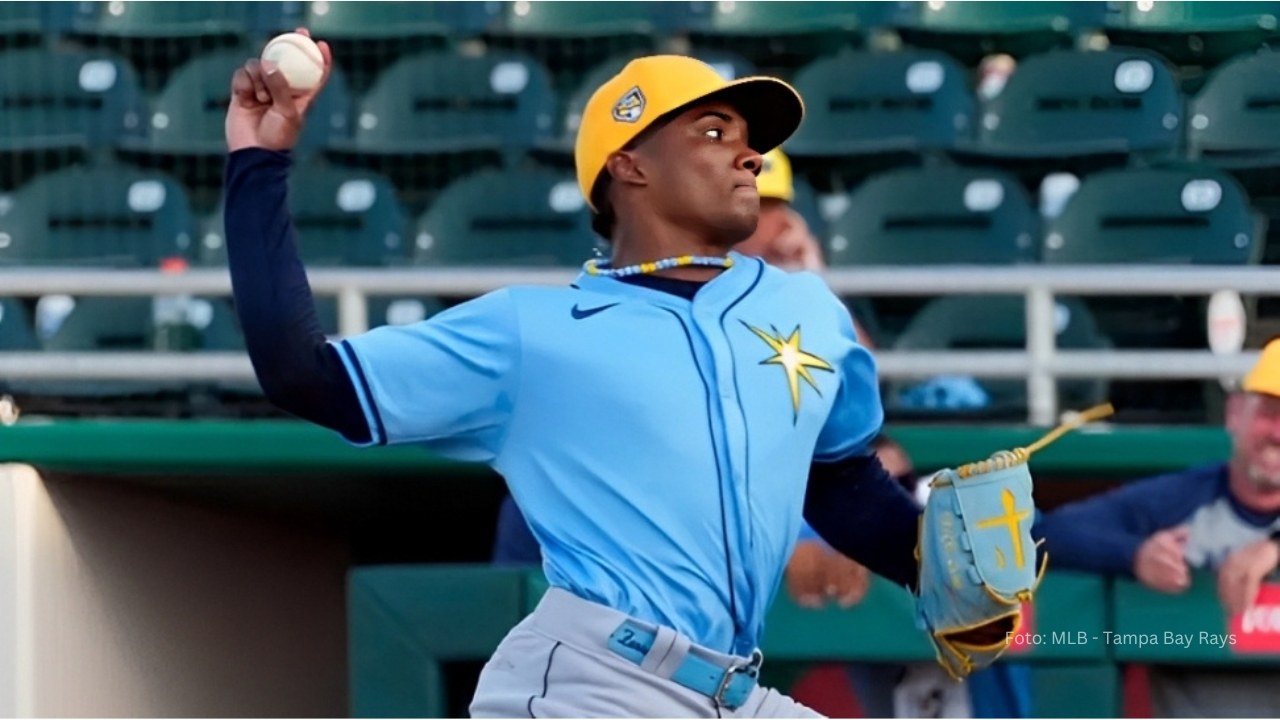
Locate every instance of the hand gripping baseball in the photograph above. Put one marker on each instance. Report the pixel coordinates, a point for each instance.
(264, 112)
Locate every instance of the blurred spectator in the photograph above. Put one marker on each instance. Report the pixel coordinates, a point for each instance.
(993, 73)
(782, 237)
(1221, 518)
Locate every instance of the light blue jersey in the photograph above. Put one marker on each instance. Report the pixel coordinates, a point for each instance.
(658, 447)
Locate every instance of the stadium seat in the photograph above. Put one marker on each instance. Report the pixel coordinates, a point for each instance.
(936, 216)
(189, 115)
(960, 323)
(441, 103)
(108, 215)
(970, 31)
(344, 217)
(783, 36)
(160, 20)
(871, 103)
(1177, 216)
(1194, 32)
(31, 21)
(67, 100)
(558, 19)
(1089, 103)
(365, 21)
(17, 332)
(527, 217)
(1231, 121)
(1172, 215)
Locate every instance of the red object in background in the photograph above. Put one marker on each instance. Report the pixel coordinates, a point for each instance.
(827, 689)
(1257, 630)
(1025, 628)
(1137, 692)
(173, 265)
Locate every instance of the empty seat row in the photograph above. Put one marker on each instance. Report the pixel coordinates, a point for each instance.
(957, 23)
(1055, 105)
(121, 216)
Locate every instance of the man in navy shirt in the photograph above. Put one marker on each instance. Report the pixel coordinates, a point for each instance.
(1222, 518)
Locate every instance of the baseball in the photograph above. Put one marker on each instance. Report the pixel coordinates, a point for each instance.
(298, 57)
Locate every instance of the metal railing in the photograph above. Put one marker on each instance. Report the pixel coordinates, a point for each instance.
(1041, 362)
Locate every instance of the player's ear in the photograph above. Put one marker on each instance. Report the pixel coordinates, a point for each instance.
(625, 167)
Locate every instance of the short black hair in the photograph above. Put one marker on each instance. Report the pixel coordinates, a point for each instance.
(605, 219)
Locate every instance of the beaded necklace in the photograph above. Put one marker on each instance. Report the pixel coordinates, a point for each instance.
(600, 266)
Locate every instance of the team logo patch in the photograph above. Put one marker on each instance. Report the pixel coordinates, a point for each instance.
(629, 107)
(794, 361)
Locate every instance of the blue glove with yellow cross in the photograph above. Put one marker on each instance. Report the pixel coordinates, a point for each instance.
(977, 557)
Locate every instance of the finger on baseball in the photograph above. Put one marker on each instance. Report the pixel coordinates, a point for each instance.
(281, 97)
(242, 86)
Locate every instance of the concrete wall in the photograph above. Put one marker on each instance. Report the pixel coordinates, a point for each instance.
(115, 601)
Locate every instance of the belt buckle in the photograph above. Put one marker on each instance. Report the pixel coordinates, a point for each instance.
(751, 668)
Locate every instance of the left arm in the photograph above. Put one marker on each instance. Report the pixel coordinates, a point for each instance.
(860, 510)
(851, 501)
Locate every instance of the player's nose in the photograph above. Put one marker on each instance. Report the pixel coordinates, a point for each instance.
(750, 160)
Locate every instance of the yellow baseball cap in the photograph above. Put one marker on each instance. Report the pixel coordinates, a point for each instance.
(650, 87)
(774, 180)
(1265, 375)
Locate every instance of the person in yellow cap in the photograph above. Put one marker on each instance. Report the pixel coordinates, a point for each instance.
(1222, 519)
(664, 422)
(782, 236)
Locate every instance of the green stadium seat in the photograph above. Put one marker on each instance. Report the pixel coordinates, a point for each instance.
(344, 217)
(67, 100)
(1194, 32)
(104, 324)
(785, 35)
(17, 333)
(1172, 215)
(936, 216)
(526, 217)
(970, 31)
(345, 20)
(108, 215)
(776, 17)
(34, 20)
(1232, 120)
(857, 104)
(165, 20)
(1091, 103)
(441, 103)
(188, 117)
(959, 323)
(559, 20)
(1178, 216)
(98, 325)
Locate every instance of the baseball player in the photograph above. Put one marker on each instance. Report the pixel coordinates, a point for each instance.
(664, 422)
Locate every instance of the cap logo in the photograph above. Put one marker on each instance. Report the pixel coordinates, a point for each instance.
(630, 107)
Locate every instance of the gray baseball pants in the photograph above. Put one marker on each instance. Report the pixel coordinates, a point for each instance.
(575, 658)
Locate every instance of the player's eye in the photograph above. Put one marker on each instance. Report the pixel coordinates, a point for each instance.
(715, 133)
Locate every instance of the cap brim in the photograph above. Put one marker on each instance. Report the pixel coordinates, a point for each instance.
(773, 109)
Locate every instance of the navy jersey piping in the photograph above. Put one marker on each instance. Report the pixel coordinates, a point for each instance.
(746, 428)
(379, 429)
(724, 522)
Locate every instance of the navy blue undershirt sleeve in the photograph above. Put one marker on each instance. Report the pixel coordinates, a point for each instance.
(299, 371)
(862, 511)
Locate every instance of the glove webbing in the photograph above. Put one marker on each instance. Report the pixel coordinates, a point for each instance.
(1008, 458)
